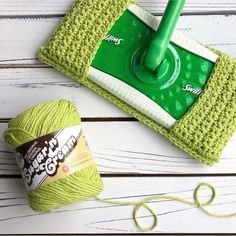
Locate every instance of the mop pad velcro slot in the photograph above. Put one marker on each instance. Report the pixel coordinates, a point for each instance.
(202, 132)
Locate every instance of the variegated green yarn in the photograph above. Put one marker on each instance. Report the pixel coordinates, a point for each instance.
(41, 120)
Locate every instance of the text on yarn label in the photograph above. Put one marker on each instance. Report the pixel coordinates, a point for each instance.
(53, 156)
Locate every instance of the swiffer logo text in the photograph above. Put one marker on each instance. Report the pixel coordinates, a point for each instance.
(189, 88)
(113, 39)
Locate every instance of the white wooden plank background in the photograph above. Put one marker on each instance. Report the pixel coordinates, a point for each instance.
(127, 148)
(133, 149)
(20, 38)
(52, 7)
(96, 217)
(35, 82)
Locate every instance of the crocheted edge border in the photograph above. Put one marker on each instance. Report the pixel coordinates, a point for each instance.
(44, 56)
(132, 111)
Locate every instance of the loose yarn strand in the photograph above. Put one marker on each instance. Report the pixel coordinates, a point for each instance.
(197, 203)
(86, 183)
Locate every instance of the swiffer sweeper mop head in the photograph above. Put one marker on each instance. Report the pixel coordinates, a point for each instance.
(171, 83)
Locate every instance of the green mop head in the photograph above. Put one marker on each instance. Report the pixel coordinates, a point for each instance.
(206, 127)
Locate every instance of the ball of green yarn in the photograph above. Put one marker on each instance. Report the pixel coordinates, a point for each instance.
(41, 120)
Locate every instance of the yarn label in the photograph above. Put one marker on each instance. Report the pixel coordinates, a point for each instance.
(53, 157)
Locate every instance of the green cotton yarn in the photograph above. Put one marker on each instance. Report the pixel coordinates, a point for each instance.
(40, 120)
(52, 116)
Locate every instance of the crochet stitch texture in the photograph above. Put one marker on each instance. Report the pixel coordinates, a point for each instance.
(203, 132)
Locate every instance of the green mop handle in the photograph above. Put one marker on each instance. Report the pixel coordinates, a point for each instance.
(159, 45)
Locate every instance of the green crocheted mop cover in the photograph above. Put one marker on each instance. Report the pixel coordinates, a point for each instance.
(203, 132)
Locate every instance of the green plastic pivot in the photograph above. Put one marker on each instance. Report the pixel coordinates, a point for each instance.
(159, 45)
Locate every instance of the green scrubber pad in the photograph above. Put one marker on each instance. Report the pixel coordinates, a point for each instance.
(203, 132)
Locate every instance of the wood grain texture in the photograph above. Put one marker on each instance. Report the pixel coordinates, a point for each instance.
(120, 148)
(132, 148)
(45, 84)
(59, 7)
(20, 39)
(95, 217)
